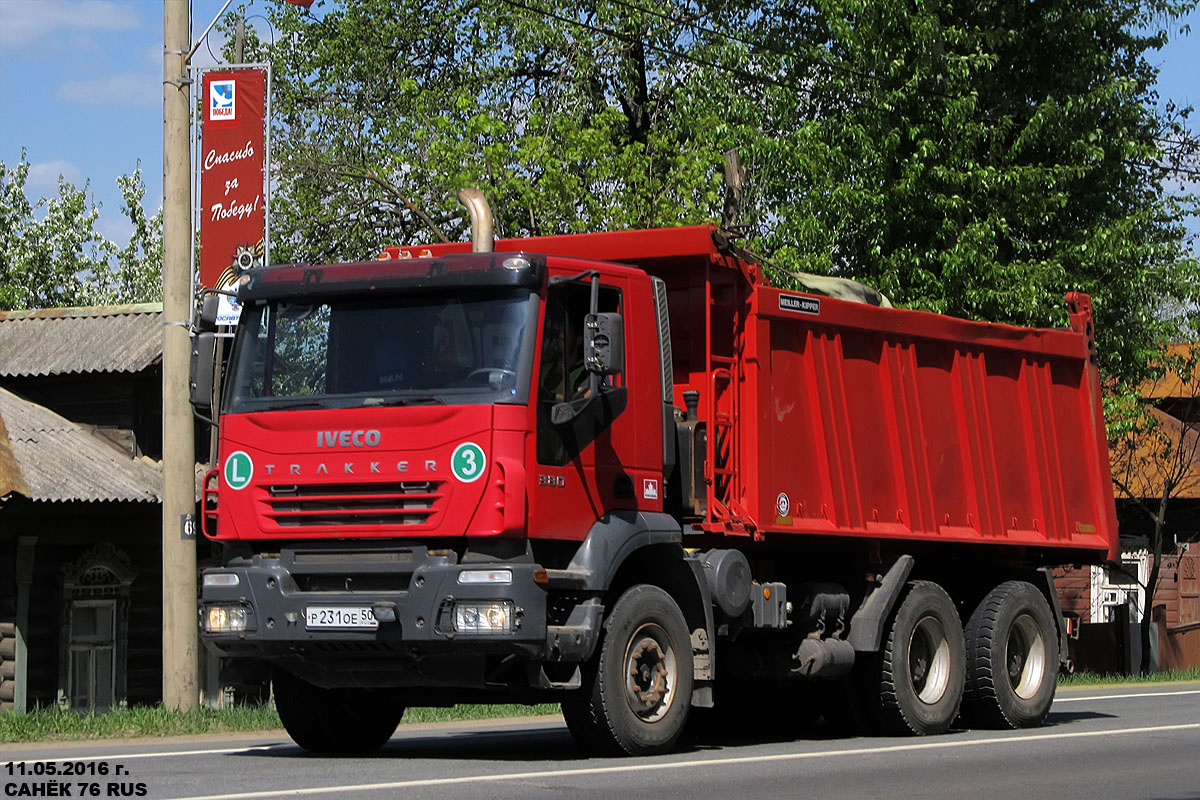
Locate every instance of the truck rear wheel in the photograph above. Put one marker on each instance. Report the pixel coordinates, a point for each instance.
(1012, 658)
(923, 663)
(344, 721)
(636, 696)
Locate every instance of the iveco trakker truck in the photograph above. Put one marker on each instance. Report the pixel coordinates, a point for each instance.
(624, 473)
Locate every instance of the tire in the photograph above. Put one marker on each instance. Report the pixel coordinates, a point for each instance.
(335, 721)
(637, 694)
(577, 713)
(923, 667)
(1012, 659)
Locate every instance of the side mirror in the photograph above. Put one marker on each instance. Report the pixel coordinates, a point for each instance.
(209, 307)
(603, 343)
(203, 368)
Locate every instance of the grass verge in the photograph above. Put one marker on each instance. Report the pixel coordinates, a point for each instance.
(54, 724)
(1095, 679)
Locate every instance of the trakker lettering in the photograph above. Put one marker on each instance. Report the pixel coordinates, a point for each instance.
(348, 468)
(348, 438)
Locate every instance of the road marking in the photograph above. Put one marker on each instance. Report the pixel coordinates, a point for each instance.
(688, 764)
(1123, 696)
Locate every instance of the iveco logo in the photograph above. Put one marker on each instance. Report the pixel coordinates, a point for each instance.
(347, 438)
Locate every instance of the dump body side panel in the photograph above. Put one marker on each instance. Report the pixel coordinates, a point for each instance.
(898, 424)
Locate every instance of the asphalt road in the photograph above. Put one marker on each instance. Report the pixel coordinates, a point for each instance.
(1108, 743)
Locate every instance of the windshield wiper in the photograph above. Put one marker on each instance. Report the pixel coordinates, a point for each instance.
(290, 404)
(429, 399)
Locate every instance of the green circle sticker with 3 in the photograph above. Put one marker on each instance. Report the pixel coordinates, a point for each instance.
(239, 469)
(468, 462)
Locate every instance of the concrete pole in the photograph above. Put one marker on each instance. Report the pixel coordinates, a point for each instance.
(239, 40)
(180, 637)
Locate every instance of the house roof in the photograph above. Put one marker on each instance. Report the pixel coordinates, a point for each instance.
(52, 459)
(1145, 470)
(61, 341)
(11, 479)
(1172, 384)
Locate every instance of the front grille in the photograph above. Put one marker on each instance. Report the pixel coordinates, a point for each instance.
(323, 505)
(370, 583)
(364, 648)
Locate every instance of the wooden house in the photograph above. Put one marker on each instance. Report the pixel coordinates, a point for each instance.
(80, 513)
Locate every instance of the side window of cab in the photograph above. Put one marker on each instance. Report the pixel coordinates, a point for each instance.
(562, 375)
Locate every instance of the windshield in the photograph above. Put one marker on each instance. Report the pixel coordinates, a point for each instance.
(444, 347)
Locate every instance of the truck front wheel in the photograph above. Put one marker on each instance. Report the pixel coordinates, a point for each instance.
(343, 721)
(637, 694)
(1012, 658)
(923, 663)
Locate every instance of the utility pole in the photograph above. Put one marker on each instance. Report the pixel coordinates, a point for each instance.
(180, 626)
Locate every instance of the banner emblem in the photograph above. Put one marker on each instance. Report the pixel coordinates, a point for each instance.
(222, 96)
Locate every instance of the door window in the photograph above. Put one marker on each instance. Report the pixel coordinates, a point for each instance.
(563, 376)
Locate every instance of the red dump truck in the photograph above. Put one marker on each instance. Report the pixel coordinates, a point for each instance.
(622, 472)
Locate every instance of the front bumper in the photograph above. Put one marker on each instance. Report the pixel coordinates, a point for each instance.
(415, 590)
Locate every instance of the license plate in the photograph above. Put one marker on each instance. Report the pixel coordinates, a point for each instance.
(339, 617)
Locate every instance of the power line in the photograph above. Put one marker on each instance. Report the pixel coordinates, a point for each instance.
(1195, 173)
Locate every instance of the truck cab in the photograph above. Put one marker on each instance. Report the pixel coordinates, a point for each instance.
(414, 452)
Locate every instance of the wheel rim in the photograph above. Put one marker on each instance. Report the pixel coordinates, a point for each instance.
(1025, 656)
(650, 672)
(929, 660)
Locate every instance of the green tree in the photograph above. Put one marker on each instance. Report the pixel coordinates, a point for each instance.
(51, 254)
(46, 247)
(136, 274)
(976, 159)
(980, 159)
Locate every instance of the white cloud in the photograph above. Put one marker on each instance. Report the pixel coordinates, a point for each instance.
(24, 23)
(43, 178)
(125, 90)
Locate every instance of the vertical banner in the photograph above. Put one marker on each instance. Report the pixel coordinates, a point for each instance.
(232, 203)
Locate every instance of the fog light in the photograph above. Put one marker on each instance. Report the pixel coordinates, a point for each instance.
(221, 579)
(501, 576)
(225, 619)
(483, 618)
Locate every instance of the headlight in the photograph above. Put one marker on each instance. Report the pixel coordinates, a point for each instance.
(225, 619)
(483, 618)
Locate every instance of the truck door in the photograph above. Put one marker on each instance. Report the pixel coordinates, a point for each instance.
(568, 495)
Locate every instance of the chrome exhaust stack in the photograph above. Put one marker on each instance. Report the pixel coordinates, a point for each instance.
(482, 230)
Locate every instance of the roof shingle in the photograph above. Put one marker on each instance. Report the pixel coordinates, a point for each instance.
(59, 341)
(58, 460)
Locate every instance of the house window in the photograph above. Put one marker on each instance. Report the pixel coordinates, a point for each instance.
(95, 635)
(92, 675)
(1126, 576)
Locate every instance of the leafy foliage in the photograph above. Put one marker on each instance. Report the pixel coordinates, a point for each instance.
(975, 159)
(52, 256)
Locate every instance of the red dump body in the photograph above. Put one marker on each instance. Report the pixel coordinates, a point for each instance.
(834, 418)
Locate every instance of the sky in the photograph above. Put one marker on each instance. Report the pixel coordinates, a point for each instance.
(80, 90)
